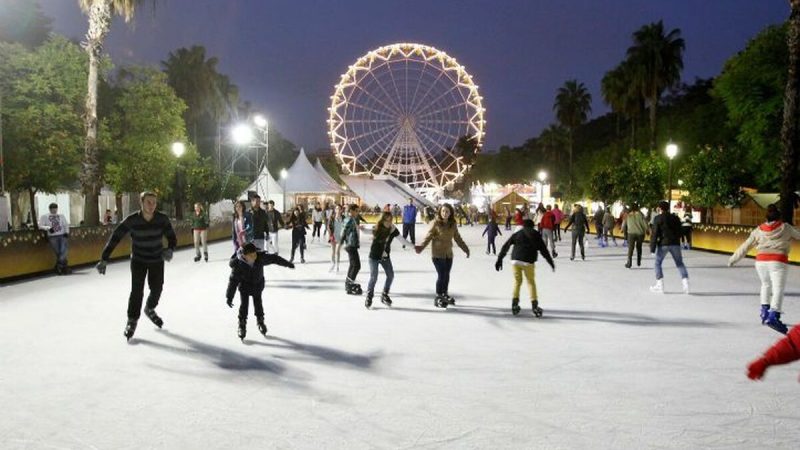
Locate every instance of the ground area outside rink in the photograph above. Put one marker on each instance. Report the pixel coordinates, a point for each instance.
(610, 365)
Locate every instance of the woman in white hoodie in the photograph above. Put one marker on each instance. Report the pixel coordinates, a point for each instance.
(772, 240)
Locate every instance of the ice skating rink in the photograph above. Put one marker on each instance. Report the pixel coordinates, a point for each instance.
(610, 365)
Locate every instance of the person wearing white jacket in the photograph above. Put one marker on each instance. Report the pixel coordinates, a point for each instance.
(772, 240)
(57, 233)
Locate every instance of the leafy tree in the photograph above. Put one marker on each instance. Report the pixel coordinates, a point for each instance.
(657, 61)
(641, 178)
(42, 108)
(23, 22)
(751, 87)
(603, 183)
(573, 105)
(100, 13)
(146, 120)
(790, 140)
(714, 176)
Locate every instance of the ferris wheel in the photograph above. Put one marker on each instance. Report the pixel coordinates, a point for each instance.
(399, 110)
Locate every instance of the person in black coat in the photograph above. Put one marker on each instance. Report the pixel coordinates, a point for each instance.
(491, 231)
(528, 243)
(297, 223)
(247, 274)
(666, 238)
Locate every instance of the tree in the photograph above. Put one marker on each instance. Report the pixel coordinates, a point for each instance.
(790, 139)
(43, 90)
(751, 87)
(623, 93)
(603, 184)
(100, 13)
(641, 178)
(146, 120)
(657, 59)
(714, 176)
(23, 22)
(573, 105)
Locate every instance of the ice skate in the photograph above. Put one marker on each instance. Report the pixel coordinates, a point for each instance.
(242, 330)
(515, 306)
(151, 314)
(205, 256)
(657, 288)
(440, 301)
(130, 328)
(197, 257)
(368, 300)
(449, 300)
(386, 300)
(685, 284)
(774, 322)
(535, 308)
(262, 327)
(764, 314)
(333, 267)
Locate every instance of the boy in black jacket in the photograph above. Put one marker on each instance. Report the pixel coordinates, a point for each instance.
(666, 238)
(247, 273)
(528, 243)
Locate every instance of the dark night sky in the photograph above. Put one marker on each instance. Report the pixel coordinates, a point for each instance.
(286, 55)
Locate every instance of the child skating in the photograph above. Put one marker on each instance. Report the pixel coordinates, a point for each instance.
(491, 232)
(247, 274)
(773, 240)
(528, 243)
(380, 254)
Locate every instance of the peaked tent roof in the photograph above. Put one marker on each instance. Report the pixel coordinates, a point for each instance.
(263, 184)
(303, 177)
(324, 174)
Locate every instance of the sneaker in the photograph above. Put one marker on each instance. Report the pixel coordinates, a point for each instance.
(685, 284)
(774, 322)
(764, 314)
(151, 314)
(657, 288)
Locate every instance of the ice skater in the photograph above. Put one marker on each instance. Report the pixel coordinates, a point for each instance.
(784, 351)
(608, 228)
(247, 274)
(349, 239)
(274, 224)
(580, 226)
(491, 232)
(546, 228)
(242, 226)
(58, 235)
(380, 255)
(527, 244)
(335, 226)
(200, 232)
(441, 235)
(636, 227)
(666, 238)
(773, 240)
(297, 223)
(317, 216)
(148, 228)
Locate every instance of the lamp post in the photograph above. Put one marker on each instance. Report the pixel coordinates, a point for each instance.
(178, 149)
(284, 175)
(263, 126)
(542, 175)
(672, 150)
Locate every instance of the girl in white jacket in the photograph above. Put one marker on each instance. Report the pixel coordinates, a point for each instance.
(772, 240)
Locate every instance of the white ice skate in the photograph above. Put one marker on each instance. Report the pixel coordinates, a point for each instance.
(685, 283)
(657, 288)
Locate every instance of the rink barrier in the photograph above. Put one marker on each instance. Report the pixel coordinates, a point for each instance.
(28, 253)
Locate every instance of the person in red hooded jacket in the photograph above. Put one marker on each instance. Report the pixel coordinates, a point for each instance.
(783, 352)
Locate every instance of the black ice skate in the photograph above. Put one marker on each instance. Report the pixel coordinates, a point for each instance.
(535, 308)
(386, 300)
(242, 331)
(440, 301)
(205, 255)
(262, 327)
(354, 289)
(197, 257)
(151, 314)
(449, 300)
(515, 306)
(368, 300)
(130, 328)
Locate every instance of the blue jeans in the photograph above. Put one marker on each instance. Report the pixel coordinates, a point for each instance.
(60, 247)
(386, 263)
(675, 251)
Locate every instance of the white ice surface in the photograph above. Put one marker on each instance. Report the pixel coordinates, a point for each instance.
(609, 366)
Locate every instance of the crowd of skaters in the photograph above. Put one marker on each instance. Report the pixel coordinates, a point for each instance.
(255, 232)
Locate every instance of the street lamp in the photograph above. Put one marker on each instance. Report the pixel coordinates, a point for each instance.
(542, 175)
(284, 175)
(242, 134)
(178, 149)
(672, 150)
(263, 126)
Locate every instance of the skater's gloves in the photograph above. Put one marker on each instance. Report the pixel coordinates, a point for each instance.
(101, 267)
(229, 302)
(498, 266)
(167, 255)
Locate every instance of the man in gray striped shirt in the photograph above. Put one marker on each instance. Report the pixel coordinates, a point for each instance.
(148, 228)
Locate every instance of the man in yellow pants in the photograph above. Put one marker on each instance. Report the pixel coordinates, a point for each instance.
(528, 243)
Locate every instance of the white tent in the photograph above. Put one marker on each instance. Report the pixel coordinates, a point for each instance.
(383, 189)
(303, 178)
(267, 188)
(324, 174)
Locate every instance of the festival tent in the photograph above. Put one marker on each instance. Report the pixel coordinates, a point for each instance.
(305, 185)
(267, 188)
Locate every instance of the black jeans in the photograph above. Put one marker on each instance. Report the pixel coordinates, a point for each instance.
(257, 305)
(635, 240)
(317, 229)
(299, 241)
(578, 238)
(443, 266)
(490, 247)
(408, 230)
(154, 272)
(355, 264)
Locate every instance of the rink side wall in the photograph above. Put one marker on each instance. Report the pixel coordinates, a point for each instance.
(28, 253)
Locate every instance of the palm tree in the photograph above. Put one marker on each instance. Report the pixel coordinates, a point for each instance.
(573, 105)
(658, 61)
(100, 13)
(551, 142)
(789, 133)
(623, 93)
